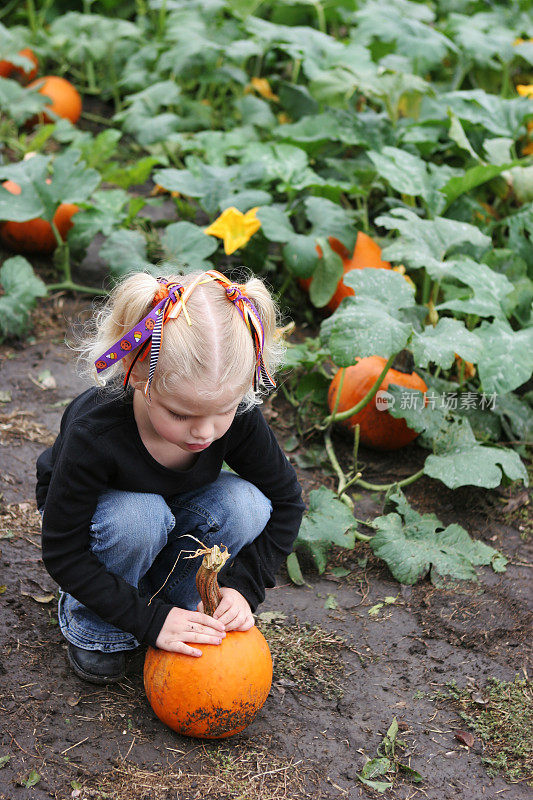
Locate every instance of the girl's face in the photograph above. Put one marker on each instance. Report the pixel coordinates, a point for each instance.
(189, 419)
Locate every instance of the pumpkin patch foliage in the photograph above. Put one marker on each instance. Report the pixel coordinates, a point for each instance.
(373, 161)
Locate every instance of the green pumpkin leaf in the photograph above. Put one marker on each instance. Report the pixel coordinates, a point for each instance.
(473, 464)
(108, 210)
(499, 116)
(188, 245)
(131, 175)
(72, 181)
(21, 287)
(391, 288)
(411, 31)
(29, 175)
(458, 459)
(328, 522)
(294, 570)
(413, 545)
(471, 179)
(284, 163)
(326, 275)
(507, 360)
(300, 255)
(517, 415)
(363, 326)
(440, 344)
(211, 184)
(425, 243)
(489, 288)
(406, 173)
(338, 125)
(125, 251)
(245, 200)
(255, 111)
(275, 224)
(19, 103)
(330, 219)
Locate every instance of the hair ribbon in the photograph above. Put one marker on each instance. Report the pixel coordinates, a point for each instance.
(170, 306)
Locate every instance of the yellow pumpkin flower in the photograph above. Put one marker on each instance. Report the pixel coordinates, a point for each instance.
(526, 90)
(283, 118)
(262, 87)
(235, 228)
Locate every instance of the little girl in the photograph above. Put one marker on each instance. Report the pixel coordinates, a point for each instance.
(135, 473)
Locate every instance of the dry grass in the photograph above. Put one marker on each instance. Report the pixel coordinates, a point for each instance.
(20, 519)
(229, 772)
(20, 425)
(306, 658)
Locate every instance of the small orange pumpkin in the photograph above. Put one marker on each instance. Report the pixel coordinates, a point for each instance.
(218, 694)
(36, 235)
(66, 101)
(377, 428)
(9, 70)
(367, 253)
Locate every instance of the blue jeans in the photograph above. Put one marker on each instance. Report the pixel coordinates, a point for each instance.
(139, 537)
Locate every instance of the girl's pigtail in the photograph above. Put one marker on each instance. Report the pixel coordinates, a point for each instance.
(274, 349)
(129, 302)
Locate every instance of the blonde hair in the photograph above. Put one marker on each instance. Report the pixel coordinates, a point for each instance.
(216, 348)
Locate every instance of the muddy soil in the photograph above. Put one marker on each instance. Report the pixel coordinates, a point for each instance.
(72, 739)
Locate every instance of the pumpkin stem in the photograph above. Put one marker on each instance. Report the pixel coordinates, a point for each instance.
(206, 578)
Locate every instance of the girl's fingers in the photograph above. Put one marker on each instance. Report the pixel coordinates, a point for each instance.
(205, 638)
(197, 627)
(229, 617)
(204, 619)
(181, 647)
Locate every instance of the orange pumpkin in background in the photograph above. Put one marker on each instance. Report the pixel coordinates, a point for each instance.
(66, 101)
(367, 253)
(36, 235)
(9, 70)
(218, 694)
(377, 428)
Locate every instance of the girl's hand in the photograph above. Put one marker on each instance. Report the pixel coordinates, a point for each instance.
(183, 626)
(233, 611)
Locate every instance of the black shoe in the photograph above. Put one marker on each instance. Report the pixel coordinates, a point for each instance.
(95, 666)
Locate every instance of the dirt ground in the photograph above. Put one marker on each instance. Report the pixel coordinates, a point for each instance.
(71, 739)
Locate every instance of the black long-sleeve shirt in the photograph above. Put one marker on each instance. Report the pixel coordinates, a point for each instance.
(99, 448)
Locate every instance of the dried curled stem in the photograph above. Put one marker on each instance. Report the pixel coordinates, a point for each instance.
(214, 559)
(206, 578)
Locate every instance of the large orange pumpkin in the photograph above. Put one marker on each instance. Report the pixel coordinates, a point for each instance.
(66, 101)
(36, 235)
(367, 253)
(219, 693)
(377, 428)
(9, 70)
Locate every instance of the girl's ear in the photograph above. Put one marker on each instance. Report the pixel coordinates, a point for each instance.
(135, 380)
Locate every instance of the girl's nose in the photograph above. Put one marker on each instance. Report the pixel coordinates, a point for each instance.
(202, 428)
